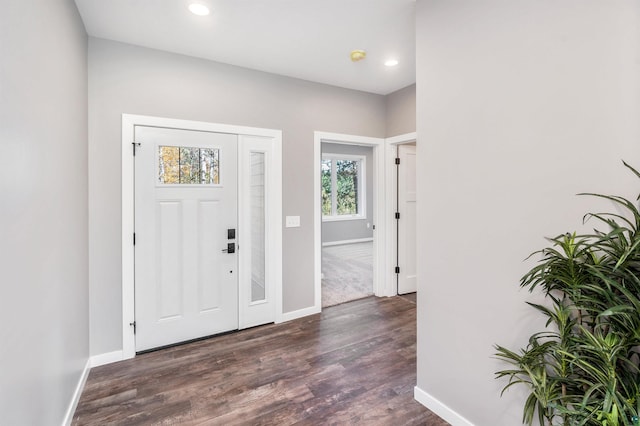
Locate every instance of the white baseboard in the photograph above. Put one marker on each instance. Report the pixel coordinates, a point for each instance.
(288, 316)
(71, 410)
(339, 243)
(106, 358)
(440, 408)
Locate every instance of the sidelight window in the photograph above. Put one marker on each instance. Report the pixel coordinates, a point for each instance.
(258, 227)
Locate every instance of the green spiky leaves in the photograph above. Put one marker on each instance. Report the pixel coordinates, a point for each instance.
(586, 369)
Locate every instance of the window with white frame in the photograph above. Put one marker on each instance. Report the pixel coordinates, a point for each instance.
(343, 187)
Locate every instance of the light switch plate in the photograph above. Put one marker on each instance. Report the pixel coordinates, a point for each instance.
(292, 222)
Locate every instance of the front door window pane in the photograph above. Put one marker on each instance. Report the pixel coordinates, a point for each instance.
(188, 165)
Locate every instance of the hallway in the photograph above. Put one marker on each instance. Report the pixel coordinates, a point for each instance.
(352, 364)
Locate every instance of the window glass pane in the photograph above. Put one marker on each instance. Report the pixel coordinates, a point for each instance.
(347, 187)
(257, 205)
(209, 167)
(326, 187)
(188, 165)
(169, 170)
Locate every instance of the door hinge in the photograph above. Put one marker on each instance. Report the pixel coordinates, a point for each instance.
(397, 269)
(135, 144)
(133, 324)
(397, 215)
(134, 238)
(398, 160)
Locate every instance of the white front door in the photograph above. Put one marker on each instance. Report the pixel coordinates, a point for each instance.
(186, 276)
(407, 282)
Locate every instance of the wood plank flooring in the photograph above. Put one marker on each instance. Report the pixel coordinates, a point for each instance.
(353, 364)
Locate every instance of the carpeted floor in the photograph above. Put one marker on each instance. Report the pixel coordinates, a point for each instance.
(347, 273)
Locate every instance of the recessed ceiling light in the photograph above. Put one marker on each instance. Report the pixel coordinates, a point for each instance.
(199, 9)
(391, 62)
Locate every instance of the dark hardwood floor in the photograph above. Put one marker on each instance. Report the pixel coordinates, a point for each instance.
(353, 364)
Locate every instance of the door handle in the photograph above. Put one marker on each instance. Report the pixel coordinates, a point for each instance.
(231, 248)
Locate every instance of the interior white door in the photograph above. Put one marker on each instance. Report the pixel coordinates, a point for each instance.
(407, 223)
(185, 202)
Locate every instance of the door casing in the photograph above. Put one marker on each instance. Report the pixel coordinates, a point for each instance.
(384, 153)
(274, 213)
(380, 284)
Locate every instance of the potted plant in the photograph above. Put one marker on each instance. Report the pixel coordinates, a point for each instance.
(584, 369)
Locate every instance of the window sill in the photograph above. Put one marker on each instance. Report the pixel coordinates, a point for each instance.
(342, 218)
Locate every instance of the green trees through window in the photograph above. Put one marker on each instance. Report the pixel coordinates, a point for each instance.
(326, 187)
(187, 165)
(342, 185)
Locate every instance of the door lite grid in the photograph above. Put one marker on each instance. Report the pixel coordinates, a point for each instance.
(188, 165)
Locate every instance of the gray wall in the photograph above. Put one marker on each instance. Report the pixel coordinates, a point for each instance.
(135, 80)
(351, 229)
(520, 105)
(44, 314)
(401, 111)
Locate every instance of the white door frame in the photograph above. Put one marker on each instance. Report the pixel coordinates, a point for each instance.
(129, 121)
(380, 285)
(391, 189)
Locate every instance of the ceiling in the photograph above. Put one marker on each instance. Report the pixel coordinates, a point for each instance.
(306, 39)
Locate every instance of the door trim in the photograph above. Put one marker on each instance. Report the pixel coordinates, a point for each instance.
(391, 150)
(380, 287)
(129, 121)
